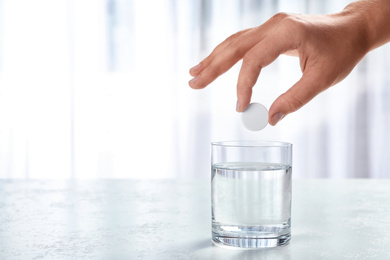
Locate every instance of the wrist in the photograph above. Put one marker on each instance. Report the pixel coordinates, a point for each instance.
(372, 19)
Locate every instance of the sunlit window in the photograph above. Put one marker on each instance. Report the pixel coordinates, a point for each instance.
(98, 89)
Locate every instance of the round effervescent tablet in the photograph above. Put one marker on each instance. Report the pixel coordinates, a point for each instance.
(255, 117)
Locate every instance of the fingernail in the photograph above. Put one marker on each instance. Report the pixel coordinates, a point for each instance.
(194, 80)
(277, 117)
(238, 106)
(195, 68)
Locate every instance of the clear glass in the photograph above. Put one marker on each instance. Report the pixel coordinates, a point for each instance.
(251, 193)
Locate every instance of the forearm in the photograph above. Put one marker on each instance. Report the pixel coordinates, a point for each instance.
(374, 17)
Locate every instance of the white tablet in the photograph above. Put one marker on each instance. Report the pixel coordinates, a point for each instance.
(255, 117)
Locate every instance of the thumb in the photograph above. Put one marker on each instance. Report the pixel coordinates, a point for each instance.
(296, 97)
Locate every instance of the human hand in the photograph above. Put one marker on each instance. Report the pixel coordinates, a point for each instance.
(328, 47)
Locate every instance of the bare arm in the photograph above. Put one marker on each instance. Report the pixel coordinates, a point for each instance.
(328, 46)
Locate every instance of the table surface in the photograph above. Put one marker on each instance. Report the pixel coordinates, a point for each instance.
(170, 219)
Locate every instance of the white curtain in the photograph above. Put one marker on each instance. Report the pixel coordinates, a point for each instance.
(98, 89)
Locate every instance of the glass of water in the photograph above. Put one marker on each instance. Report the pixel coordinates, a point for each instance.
(251, 193)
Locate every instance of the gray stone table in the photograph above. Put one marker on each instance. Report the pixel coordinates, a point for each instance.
(170, 219)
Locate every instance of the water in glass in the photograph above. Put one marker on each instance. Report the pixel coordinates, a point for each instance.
(251, 205)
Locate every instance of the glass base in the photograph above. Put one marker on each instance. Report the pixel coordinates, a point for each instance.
(252, 236)
(250, 243)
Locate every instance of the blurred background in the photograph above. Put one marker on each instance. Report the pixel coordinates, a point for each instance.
(98, 89)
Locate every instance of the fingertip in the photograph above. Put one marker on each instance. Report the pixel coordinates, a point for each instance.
(242, 105)
(244, 96)
(277, 111)
(193, 86)
(274, 119)
(189, 84)
(196, 83)
(193, 74)
(194, 71)
(194, 80)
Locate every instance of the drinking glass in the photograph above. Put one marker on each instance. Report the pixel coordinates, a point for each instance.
(251, 193)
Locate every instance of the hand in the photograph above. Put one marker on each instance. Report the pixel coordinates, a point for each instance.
(328, 47)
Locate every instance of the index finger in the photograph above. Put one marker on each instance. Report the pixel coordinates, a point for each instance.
(260, 56)
(230, 52)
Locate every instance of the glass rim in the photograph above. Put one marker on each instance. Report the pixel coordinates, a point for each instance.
(251, 144)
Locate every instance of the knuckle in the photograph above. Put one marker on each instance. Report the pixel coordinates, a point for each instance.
(234, 51)
(233, 36)
(292, 23)
(228, 41)
(280, 16)
(229, 48)
(293, 27)
(217, 66)
(216, 49)
(211, 73)
(250, 59)
(215, 69)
